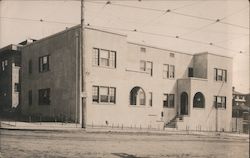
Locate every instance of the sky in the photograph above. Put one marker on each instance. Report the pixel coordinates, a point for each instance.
(191, 26)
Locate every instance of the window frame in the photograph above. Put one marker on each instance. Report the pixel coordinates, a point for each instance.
(42, 101)
(41, 64)
(146, 66)
(196, 104)
(169, 100)
(30, 98)
(99, 101)
(167, 72)
(220, 75)
(222, 104)
(97, 58)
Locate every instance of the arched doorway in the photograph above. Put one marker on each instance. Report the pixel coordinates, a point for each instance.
(184, 104)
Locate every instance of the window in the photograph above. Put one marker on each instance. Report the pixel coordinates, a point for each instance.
(171, 71)
(171, 55)
(30, 97)
(3, 67)
(104, 94)
(220, 75)
(220, 102)
(112, 59)
(168, 71)
(17, 87)
(150, 101)
(4, 64)
(146, 66)
(165, 100)
(104, 58)
(142, 97)
(95, 94)
(168, 100)
(112, 95)
(95, 59)
(44, 96)
(199, 100)
(190, 72)
(143, 65)
(101, 94)
(137, 96)
(143, 49)
(165, 70)
(30, 66)
(44, 63)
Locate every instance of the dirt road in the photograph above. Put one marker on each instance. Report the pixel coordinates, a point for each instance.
(75, 144)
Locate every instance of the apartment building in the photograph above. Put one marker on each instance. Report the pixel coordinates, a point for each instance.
(127, 84)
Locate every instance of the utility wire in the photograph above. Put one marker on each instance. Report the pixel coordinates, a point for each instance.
(177, 13)
(170, 36)
(37, 20)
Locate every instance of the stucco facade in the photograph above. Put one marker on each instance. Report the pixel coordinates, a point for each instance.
(127, 84)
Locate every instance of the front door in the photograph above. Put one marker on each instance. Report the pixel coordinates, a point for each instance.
(184, 103)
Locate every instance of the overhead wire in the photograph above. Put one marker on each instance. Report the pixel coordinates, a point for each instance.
(173, 37)
(178, 13)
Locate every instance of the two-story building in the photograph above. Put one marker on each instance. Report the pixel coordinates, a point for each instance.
(127, 84)
(240, 112)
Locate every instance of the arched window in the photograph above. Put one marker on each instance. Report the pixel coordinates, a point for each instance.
(137, 96)
(199, 100)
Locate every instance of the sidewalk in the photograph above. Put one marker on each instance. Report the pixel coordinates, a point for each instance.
(45, 126)
(57, 126)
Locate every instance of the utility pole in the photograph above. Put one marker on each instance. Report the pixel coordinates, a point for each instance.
(83, 96)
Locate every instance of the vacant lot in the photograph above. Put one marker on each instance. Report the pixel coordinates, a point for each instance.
(30, 144)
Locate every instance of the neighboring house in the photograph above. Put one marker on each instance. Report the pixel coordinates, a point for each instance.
(240, 113)
(127, 84)
(10, 65)
(10, 61)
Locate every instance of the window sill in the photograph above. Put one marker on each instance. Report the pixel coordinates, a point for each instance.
(198, 108)
(168, 107)
(140, 106)
(101, 103)
(106, 67)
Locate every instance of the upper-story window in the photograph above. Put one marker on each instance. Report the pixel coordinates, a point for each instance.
(4, 64)
(104, 58)
(146, 66)
(220, 102)
(44, 63)
(220, 74)
(143, 49)
(30, 66)
(168, 71)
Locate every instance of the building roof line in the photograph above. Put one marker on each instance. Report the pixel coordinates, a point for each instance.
(213, 54)
(155, 47)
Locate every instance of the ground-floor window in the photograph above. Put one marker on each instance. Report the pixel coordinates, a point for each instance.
(103, 94)
(199, 100)
(44, 96)
(220, 102)
(30, 97)
(137, 96)
(168, 100)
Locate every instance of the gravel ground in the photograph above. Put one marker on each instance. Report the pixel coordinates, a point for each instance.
(75, 144)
